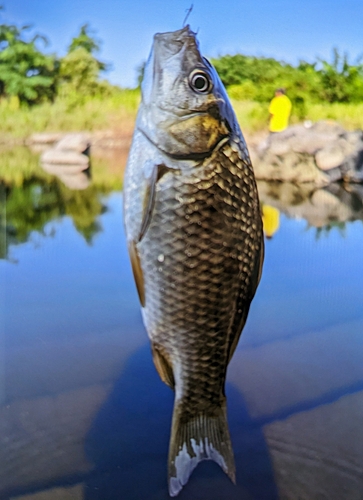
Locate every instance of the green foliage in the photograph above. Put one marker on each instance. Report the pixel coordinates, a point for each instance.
(110, 107)
(30, 198)
(80, 70)
(79, 73)
(85, 40)
(32, 76)
(25, 71)
(341, 81)
(256, 78)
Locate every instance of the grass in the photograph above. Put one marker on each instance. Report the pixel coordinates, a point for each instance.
(69, 114)
(117, 112)
(253, 116)
(350, 116)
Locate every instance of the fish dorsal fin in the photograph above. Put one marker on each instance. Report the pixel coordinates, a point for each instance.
(163, 367)
(137, 271)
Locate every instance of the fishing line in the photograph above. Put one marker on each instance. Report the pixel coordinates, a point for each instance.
(188, 11)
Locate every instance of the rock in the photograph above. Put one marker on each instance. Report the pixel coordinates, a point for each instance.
(73, 176)
(329, 157)
(71, 149)
(78, 142)
(63, 157)
(46, 138)
(321, 153)
(291, 167)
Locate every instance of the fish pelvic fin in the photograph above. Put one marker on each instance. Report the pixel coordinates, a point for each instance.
(163, 366)
(204, 436)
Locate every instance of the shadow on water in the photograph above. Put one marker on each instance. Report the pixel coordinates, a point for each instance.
(135, 422)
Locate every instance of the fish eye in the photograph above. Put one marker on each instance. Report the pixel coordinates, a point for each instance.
(200, 81)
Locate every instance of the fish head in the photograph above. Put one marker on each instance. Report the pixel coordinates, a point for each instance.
(185, 111)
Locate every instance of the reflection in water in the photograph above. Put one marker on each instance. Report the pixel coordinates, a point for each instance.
(83, 413)
(334, 205)
(36, 202)
(72, 176)
(270, 219)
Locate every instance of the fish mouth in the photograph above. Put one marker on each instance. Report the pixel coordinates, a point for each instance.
(168, 45)
(172, 42)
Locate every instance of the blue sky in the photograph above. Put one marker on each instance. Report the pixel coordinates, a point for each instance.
(283, 29)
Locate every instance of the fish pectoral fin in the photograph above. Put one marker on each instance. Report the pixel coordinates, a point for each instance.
(203, 436)
(163, 367)
(149, 197)
(137, 271)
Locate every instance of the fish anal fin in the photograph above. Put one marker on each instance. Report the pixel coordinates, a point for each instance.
(163, 366)
(137, 271)
(204, 436)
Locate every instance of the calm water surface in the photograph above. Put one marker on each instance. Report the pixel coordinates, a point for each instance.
(83, 413)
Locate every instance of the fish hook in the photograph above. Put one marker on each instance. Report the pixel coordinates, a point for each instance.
(188, 11)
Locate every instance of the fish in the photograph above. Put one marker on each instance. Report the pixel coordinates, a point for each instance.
(194, 233)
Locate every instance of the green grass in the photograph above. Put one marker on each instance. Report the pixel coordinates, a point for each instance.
(253, 116)
(69, 114)
(350, 116)
(117, 111)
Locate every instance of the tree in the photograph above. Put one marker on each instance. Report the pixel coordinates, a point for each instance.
(341, 81)
(79, 72)
(79, 68)
(25, 71)
(87, 41)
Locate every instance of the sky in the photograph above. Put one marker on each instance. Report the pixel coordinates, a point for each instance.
(284, 29)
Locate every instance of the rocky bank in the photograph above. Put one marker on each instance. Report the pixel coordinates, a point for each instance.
(318, 153)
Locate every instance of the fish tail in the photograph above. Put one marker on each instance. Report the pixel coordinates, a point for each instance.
(203, 436)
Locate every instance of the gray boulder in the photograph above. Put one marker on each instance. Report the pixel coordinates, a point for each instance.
(71, 149)
(69, 160)
(321, 153)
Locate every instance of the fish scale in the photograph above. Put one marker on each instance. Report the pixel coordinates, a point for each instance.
(177, 306)
(194, 233)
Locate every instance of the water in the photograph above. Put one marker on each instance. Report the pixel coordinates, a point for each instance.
(83, 413)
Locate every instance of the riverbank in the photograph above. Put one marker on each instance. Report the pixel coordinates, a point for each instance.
(116, 115)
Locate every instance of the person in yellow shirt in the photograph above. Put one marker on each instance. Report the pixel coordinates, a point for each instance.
(279, 109)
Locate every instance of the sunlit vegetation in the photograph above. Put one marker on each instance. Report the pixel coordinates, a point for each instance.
(253, 115)
(40, 91)
(116, 110)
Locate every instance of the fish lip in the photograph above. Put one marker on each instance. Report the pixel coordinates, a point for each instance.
(177, 35)
(170, 43)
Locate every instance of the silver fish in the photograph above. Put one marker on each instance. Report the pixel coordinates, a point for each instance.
(195, 240)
